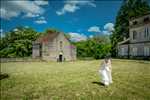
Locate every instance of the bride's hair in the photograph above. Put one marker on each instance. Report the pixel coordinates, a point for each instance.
(107, 58)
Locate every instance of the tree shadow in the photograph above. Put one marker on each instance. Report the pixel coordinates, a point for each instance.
(98, 83)
(3, 76)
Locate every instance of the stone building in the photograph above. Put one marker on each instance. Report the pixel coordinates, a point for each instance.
(138, 43)
(54, 46)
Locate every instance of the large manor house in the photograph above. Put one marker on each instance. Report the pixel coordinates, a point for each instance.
(138, 43)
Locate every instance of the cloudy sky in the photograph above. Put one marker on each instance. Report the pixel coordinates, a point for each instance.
(78, 18)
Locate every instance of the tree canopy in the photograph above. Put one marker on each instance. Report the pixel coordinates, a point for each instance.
(18, 42)
(96, 47)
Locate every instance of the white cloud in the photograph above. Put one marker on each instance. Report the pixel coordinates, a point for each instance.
(1, 30)
(14, 8)
(91, 36)
(2, 33)
(77, 37)
(109, 27)
(31, 15)
(41, 20)
(15, 30)
(42, 17)
(26, 26)
(72, 6)
(67, 8)
(106, 32)
(94, 29)
(5, 14)
(41, 2)
(81, 2)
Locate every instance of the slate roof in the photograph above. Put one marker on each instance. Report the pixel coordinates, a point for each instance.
(46, 37)
(49, 36)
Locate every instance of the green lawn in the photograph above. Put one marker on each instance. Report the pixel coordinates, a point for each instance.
(75, 81)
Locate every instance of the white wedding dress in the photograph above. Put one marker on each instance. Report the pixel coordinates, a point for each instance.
(105, 73)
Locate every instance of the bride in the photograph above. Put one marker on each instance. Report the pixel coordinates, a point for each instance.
(105, 71)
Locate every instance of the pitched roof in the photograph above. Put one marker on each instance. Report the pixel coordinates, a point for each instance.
(50, 35)
(124, 42)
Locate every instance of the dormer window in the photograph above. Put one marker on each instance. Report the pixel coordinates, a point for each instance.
(146, 19)
(134, 35)
(135, 22)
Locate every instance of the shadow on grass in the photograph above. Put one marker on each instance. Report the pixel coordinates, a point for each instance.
(3, 76)
(98, 83)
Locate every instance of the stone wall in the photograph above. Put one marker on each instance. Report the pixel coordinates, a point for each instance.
(52, 49)
(35, 50)
(69, 53)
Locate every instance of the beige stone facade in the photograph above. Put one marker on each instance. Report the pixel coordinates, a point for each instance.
(54, 47)
(138, 43)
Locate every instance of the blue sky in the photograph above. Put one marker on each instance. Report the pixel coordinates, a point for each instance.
(77, 18)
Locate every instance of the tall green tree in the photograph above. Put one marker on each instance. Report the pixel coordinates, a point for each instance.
(96, 47)
(18, 42)
(129, 9)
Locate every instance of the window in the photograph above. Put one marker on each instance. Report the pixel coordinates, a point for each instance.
(135, 22)
(146, 51)
(61, 44)
(134, 51)
(146, 19)
(146, 33)
(122, 51)
(36, 46)
(134, 35)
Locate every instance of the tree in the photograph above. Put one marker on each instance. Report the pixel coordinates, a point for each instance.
(129, 9)
(18, 42)
(96, 47)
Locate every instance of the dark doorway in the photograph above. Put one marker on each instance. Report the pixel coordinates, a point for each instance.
(60, 58)
(40, 48)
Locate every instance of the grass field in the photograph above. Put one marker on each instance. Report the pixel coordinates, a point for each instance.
(75, 81)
